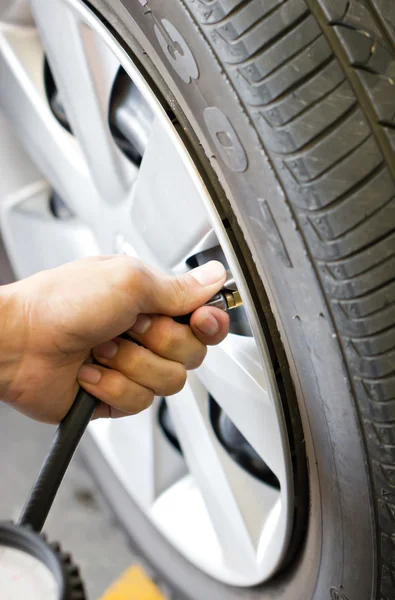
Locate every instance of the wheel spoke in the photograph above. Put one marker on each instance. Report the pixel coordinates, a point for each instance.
(23, 99)
(167, 208)
(233, 375)
(52, 242)
(84, 70)
(138, 451)
(220, 481)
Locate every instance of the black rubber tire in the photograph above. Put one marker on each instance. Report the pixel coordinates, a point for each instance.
(301, 135)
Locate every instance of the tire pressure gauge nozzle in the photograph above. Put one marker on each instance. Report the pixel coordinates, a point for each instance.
(226, 299)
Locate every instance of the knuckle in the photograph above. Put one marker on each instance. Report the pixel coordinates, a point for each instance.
(94, 258)
(131, 271)
(180, 292)
(131, 358)
(116, 386)
(167, 342)
(147, 398)
(177, 380)
(197, 359)
(128, 271)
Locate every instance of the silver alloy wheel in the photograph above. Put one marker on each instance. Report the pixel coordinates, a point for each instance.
(224, 520)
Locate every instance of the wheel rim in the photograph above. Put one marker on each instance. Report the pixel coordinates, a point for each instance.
(226, 521)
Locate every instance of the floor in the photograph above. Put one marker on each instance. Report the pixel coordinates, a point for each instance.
(79, 518)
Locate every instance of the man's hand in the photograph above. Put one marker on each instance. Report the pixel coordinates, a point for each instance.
(52, 322)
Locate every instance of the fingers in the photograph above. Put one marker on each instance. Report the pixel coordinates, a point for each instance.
(105, 411)
(129, 375)
(209, 325)
(170, 340)
(99, 298)
(184, 294)
(129, 378)
(152, 292)
(164, 377)
(115, 389)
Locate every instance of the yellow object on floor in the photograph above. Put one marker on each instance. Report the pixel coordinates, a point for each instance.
(133, 584)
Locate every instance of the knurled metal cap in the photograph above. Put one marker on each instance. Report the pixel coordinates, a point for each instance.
(73, 583)
(59, 563)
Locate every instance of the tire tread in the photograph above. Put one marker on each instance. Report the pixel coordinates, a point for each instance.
(338, 175)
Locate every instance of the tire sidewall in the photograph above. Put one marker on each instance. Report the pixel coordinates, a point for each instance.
(337, 558)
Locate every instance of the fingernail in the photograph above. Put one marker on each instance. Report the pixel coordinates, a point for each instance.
(209, 273)
(107, 350)
(142, 324)
(88, 374)
(209, 325)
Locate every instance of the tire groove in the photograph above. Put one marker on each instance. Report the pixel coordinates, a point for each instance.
(373, 313)
(347, 194)
(331, 128)
(346, 257)
(366, 246)
(349, 231)
(381, 25)
(377, 354)
(232, 13)
(295, 118)
(380, 332)
(259, 82)
(297, 84)
(340, 261)
(263, 18)
(367, 295)
(272, 42)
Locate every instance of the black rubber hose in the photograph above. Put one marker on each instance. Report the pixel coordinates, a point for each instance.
(65, 442)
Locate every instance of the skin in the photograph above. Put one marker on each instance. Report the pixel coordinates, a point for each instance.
(54, 322)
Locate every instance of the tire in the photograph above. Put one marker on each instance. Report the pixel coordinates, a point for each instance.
(293, 103)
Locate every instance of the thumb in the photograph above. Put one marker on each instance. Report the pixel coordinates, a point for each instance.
(177, 296)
